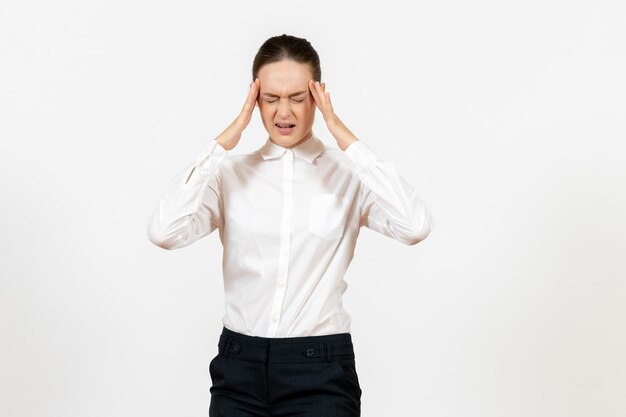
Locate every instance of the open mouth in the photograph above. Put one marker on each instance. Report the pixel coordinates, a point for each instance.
(285, 128)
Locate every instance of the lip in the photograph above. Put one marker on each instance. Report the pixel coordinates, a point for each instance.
(285, 131)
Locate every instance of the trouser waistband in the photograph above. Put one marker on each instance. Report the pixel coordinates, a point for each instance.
(301, 349)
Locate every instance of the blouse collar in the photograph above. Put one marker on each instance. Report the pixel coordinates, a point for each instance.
(307, 150)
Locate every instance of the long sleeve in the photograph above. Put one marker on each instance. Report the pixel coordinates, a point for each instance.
(191, 207)
(388, 204)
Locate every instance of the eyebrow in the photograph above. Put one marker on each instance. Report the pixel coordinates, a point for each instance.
(290, 95)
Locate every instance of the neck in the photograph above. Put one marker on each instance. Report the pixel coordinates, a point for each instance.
(305, 138)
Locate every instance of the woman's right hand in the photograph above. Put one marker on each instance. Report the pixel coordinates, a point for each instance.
(231, 135)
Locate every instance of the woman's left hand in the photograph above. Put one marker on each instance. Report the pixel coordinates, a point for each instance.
(340, 132)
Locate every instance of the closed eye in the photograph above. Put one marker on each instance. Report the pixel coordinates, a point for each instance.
(274, 101)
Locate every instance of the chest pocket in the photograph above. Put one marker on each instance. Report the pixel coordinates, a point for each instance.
(328, 214)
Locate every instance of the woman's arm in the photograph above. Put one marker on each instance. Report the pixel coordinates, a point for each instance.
(388, 204)
(191, 207)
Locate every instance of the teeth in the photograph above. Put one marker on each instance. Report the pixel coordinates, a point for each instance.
(284, 126)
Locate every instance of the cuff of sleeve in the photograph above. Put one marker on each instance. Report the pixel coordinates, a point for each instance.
(211, 151)
(360, 155)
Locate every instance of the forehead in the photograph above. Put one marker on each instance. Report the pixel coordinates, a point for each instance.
(285, 77)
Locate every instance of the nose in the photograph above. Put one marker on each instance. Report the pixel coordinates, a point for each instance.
(284, 109)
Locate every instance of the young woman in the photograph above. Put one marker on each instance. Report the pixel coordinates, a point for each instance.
(288, 216)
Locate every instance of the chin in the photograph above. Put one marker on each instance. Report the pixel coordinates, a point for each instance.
(289, 139)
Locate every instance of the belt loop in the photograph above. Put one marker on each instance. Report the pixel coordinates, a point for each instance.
(330, 352)
(227, 346)
(326, 356)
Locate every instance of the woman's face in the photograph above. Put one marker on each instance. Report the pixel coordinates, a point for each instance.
(285, 99)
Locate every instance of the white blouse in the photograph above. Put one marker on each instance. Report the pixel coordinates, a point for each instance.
(288, 220)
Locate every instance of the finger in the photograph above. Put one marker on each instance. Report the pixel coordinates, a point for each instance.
(248, 106)
(250, 97)
(251, 100)
(329, 104)
(315, 93)
(320, 88)
(257, 90)
(320, 96)
(313, 89)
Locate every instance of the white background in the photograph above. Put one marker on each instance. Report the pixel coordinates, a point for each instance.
(508, 117)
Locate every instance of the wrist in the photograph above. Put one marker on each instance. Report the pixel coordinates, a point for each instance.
(227, 145)
(344, 145)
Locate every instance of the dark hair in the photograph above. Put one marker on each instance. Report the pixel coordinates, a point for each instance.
(285, 46)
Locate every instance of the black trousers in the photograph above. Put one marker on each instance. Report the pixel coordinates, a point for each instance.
(309, 376)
